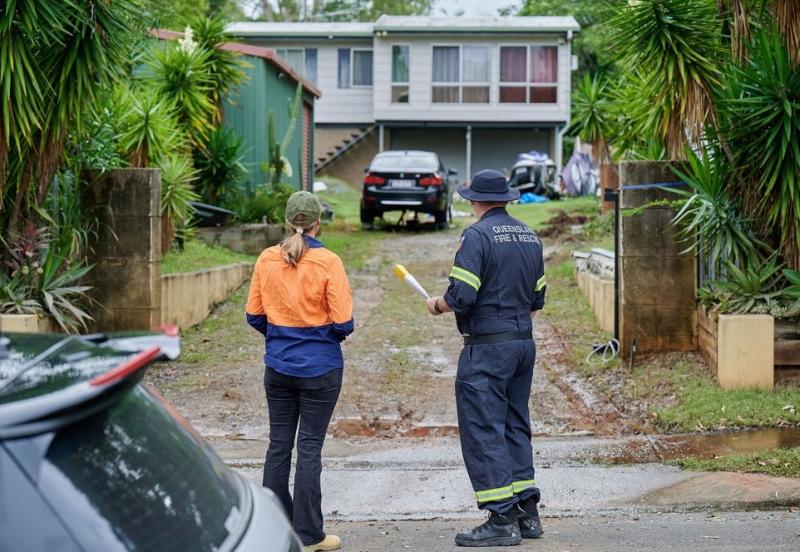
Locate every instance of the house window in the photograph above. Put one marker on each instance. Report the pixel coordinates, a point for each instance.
(528, 74)
(400, 73)
(460, 74)
(302, 60)
(355, 68)
(362, 67)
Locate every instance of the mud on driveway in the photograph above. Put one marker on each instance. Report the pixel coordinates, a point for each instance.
(399, 364)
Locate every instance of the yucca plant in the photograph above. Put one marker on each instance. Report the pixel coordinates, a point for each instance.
(148, 125)
(591, 117)
(179, 73)
(675, 44)
(219, 164)
(754, 289)
(710, 219)
(224, 67)
(55, 55)
(177, 176)
(760, 114)
(792, 292)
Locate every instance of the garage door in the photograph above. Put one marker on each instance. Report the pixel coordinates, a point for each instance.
(498, 148)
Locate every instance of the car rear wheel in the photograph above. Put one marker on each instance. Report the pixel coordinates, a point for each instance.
(367, 218)
(443, 218)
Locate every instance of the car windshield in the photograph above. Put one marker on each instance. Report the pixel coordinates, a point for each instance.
(409, 161)
(137, 477)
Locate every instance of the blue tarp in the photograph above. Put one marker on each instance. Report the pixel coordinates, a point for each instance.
(532, 198)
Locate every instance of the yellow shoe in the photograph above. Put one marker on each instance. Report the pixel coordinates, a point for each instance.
(331, 542)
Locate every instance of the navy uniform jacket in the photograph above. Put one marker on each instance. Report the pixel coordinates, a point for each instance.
(497, 277)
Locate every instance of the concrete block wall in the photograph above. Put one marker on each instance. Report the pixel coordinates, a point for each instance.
(125, 281)
(657, 278)
(251, 239)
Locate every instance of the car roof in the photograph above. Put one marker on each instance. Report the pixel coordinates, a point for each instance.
(401, 153)
(42, 375)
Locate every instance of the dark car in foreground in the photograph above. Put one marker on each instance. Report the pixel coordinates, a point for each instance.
(92, 459)
(414, 181)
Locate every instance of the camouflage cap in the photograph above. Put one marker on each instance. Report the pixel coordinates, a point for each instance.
(303, 208)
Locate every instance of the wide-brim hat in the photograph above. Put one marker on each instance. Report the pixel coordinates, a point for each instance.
(488, 186)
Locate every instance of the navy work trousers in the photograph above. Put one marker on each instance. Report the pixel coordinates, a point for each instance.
(308, 402)
(493, 385)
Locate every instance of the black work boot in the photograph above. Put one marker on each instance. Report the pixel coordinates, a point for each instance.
(528, 517)
(498, 530)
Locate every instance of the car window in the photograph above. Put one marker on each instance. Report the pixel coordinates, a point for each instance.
(136, 478)
(26, 521)
(404, 162)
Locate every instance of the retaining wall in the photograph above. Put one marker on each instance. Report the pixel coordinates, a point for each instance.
(600, 293)
(187, 297)
(251, 239)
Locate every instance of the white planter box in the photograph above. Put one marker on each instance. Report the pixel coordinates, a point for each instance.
(26, 323)
(746, 351)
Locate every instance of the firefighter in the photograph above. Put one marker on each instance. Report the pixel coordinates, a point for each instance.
(497, 285)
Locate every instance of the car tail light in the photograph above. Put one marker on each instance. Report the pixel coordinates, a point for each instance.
(430, 181)
(374, 179)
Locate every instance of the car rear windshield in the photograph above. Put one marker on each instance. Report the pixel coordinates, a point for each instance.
(135, 477)
(411, 161)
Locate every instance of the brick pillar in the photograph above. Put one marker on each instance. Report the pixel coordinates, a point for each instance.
(126, 278)
(657, 281)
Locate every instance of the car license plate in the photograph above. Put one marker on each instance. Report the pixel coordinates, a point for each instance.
(403, 183)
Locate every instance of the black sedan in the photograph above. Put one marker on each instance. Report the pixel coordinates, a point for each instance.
(414, 181)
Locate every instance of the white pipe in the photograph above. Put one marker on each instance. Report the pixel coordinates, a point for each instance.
(468, 176)
(559, 153)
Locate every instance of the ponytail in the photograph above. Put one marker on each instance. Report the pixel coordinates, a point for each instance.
(295, 246)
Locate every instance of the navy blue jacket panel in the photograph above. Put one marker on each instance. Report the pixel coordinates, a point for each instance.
(497, 277)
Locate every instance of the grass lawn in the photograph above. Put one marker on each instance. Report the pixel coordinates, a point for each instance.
(780, 462)
(536, 214)
(197, 255)
(344, 235)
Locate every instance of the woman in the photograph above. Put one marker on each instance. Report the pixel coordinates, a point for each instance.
(300, 301)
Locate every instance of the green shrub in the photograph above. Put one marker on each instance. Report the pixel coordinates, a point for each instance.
(219, 164)
(265, 205)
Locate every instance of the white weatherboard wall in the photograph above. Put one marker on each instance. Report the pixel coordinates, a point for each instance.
(337, 105)
(420, 107)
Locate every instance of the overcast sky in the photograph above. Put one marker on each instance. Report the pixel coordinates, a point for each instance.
(472, 7)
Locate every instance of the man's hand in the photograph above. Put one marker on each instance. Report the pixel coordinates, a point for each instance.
(431, 304)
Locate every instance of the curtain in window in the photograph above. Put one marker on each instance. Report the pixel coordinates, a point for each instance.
(445, 64)
(311, 65)
(475, 64)
(295, 59)
(400, 64)
(362, 68)
(544, 64)
(344, 67)
(512, 63)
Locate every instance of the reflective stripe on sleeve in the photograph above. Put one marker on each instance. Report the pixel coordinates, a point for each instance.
(491, 495)
(466, 276)
(519, 486)
(540, 283)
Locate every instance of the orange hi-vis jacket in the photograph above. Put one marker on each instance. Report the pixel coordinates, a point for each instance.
(303, 311)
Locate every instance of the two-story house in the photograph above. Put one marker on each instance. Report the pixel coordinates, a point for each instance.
(477, 91)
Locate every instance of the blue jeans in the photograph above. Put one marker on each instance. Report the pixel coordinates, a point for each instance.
(309, 402)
